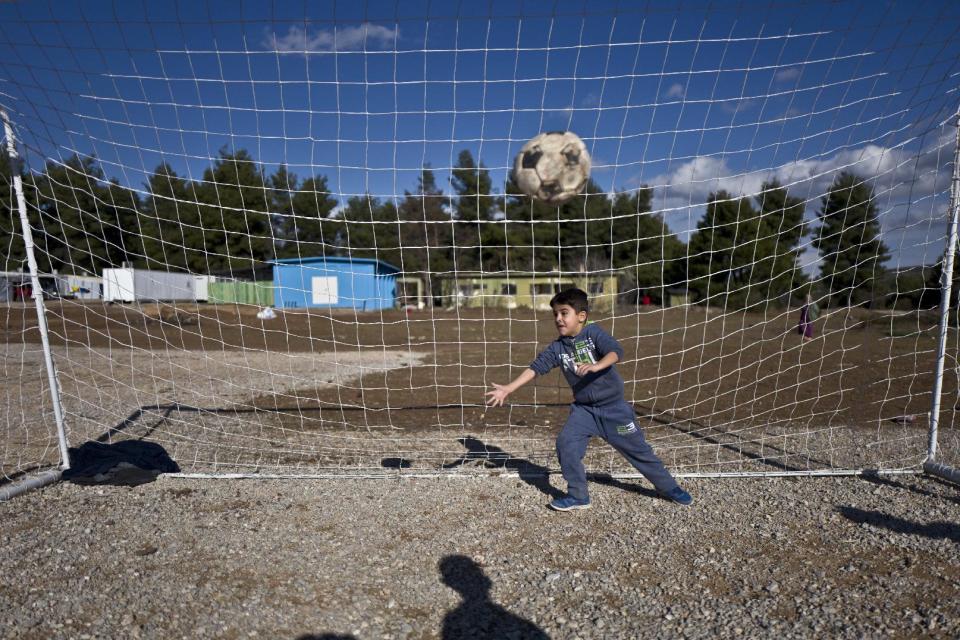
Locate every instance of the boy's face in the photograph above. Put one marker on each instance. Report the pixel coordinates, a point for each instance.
(568, 321)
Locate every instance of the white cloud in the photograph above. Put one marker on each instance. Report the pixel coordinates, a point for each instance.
(738, 106)
(366, 34)
(794, 112)
(911, 190)
(676, 90)
(785, 75)
(592, 99)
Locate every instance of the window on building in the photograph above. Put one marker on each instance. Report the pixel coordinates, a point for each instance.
(508, 289)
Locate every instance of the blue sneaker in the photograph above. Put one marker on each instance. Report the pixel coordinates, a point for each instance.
(569, 503)
(677, 495)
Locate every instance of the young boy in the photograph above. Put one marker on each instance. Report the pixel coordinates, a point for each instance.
(587, 353)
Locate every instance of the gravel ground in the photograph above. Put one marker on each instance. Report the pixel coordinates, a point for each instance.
(481, 557)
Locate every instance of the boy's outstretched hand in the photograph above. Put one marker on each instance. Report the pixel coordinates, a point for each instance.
(500, 392)
(496, 397)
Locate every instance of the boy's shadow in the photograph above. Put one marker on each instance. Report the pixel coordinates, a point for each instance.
(491, 457)
(478, 616)
(609, 481)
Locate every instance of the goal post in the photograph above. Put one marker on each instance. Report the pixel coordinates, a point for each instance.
(931, 465)
(31, 481)
(298, 247)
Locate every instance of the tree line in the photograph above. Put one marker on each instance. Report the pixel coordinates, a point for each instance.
(744, 251)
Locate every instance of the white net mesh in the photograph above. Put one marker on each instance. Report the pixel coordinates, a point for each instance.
(762, 231)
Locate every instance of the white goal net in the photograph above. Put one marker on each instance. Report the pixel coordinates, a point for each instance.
(287, 241)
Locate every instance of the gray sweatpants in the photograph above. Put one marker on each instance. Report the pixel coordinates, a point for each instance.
(615, 423)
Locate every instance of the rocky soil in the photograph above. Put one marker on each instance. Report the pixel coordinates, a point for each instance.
(465, 556)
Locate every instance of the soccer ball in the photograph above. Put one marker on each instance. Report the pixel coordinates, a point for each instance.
(552, 167)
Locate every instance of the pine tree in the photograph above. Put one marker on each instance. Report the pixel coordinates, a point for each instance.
(474, 205)
(282, 186)
(426, 234)
(12, 252)
(777, 263)
(77, 231)
(849, 240)
(722, 252)
(547, 237)
(124, 224)
(173, 236)
(356, 231)
(583, 231)
(305, 229)
(234, 213)
(518, 254)
(472, 185)
(647, 256)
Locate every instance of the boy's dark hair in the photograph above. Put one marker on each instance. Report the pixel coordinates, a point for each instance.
(576, 298)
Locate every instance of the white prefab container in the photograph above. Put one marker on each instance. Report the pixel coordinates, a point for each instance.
(79, 287)
(201, 287)
(141, 285)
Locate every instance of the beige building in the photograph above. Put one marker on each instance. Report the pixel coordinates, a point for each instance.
(474, 290)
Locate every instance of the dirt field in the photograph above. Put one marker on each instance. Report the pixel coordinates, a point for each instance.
(388, 392)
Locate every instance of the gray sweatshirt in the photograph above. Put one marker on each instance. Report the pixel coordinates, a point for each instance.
(587, 347)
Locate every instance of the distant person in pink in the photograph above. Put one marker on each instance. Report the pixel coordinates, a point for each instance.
(809, 313)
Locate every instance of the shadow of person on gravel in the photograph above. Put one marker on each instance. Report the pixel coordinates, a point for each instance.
(934, 530)
(126, 463)
(492, 457)
(877, 479)
(478, 616)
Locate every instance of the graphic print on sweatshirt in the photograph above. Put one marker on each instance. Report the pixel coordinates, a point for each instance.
(583, 353)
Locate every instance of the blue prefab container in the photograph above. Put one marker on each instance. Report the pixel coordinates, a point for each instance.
(361, 284)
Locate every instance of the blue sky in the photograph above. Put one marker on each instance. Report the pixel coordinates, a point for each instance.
(689, 97)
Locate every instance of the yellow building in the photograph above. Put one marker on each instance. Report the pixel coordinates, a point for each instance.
(474, 290)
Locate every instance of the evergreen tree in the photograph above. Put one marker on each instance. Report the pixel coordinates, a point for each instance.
(426, 235)
(583, 231)
(77, 232)
(368, 228)
(518, 254)
(387, 232)
(722, 253)
(544, 237)
(12, 252)
(234, 213)
(646, 254)
(306, 230)
(849, 240)
(472, 185)
(173, 236)
(124, 224)
(474, 205)
(778, 243)
(282, 187)
(356, 233)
